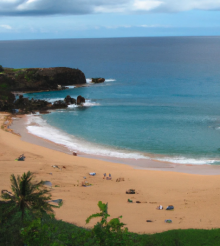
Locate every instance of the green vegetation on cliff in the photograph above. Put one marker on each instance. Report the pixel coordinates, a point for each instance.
(34, 79)
(39, 79)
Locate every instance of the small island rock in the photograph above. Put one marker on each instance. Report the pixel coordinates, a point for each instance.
(80, 100)
(69, 100)
(98, 80)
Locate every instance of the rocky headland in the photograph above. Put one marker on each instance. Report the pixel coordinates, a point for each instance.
(40, 79)
(34, 80)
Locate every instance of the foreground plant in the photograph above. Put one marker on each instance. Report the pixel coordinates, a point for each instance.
(109, 233)
(27, 195)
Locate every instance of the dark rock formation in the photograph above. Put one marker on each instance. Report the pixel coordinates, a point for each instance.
(80, 100)
(37, 79)
(40, 79)
(98, 80)
(24, 105)
(59, 104)
(69, 100)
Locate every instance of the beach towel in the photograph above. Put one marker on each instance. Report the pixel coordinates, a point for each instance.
(168, 221)
(48, 183)
(170, 207)
(92, 174)
(57, 201)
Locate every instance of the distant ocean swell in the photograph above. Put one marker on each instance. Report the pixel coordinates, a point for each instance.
(40, 128)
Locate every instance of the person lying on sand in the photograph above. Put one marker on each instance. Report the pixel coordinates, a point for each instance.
(109, 177)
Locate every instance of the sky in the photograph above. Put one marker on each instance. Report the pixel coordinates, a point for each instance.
(49, 19)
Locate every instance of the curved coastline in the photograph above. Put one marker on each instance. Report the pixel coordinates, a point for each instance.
(149, 163)
(193, 196)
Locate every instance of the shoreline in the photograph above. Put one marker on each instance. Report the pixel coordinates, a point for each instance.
(195, 197)
(18, 127)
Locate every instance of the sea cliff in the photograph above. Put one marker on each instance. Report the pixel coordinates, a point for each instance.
(39, 79)
(32, 80)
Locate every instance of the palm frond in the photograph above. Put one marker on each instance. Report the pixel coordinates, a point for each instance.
(28, 195)
(14, 183)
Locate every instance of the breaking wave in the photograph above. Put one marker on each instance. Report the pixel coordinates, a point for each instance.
(39, 127)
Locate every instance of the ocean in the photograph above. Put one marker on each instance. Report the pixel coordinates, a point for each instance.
(160, 100)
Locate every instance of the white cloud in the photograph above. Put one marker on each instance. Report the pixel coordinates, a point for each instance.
(6, 27)
(146, 5)
(77, 7)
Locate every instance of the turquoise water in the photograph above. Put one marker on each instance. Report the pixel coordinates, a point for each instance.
(161, 97)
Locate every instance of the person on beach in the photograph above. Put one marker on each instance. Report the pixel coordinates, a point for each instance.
(109, 177)
(104, 176)
(74, 154)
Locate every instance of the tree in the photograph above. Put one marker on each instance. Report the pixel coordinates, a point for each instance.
(27, 196)
(1, 69)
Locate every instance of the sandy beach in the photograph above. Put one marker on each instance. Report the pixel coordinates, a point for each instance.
(193, 190)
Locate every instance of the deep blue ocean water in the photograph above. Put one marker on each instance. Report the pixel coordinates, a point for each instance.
(161, 97)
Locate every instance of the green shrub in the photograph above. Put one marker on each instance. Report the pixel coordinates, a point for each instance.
(109, 233)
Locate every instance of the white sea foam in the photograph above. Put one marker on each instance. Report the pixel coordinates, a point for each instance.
(70, 86)
(88, 103)
(39, 127)
(183, 160)
(52, 100)
(73, 106)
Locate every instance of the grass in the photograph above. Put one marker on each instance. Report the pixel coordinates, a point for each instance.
(18, 69)
(56, 232)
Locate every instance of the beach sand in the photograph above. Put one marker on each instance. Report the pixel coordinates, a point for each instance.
(194, 194)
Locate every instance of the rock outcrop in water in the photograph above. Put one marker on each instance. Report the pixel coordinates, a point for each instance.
(36, 79)
(24, 105)
(80, 100)
(33, 80)
(69, 100)
(98, 80)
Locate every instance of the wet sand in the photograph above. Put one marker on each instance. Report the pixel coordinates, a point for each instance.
(18, 126)
(194, 194)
